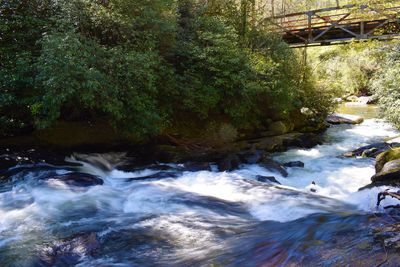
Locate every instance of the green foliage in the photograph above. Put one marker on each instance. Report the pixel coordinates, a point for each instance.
(347, 69)
(146, 66)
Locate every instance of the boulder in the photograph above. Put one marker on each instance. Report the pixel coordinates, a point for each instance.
(70, 251)
(78, 179)
(273, 166)
(390, 172)
(229, 163)
(343, 119)
(383, 158)
(266, 179)
(291, 164)
(306, 140)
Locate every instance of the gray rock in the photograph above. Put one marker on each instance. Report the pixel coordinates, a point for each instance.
(340, 119)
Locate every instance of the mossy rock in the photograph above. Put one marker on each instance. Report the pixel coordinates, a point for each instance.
(279, 127)
(383, 158)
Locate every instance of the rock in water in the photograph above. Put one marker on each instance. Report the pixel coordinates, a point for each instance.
(343, 119)
(266, 179)
(197, 166)
(273, 166)
(291, 164)
(372, 150)
(70, 251)
(229, 163)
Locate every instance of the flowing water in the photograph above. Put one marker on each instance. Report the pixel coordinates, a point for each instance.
(201, 218)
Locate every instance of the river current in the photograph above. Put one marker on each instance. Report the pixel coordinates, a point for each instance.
(204, 218)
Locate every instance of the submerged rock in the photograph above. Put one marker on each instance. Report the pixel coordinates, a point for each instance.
(291, 164)
(77, 179)
(266, 179)
(389, 235)
(69, 251)
(343, 119)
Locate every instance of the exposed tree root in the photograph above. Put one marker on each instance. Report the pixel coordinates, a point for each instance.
(384, 194)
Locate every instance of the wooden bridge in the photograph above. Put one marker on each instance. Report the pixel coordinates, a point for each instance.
(337, 25)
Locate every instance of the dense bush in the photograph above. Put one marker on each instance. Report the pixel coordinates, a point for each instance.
(144, 66)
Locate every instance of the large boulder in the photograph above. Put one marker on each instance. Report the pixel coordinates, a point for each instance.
(383, 158)
(343, 119)
(389, 173)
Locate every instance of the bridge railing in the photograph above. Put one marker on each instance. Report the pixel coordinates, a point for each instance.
(346, 22)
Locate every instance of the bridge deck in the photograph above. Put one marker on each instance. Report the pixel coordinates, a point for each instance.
(337, 25)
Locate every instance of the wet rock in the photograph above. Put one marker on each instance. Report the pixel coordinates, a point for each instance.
(229, 163)
(389, 172)
(291, 164)
(266, 179)
(343, 119)
(197, 166)
(273, 166)
(78, 179)
(70, 251)
(372, 150)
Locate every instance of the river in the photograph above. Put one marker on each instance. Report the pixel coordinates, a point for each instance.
(204, 218)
